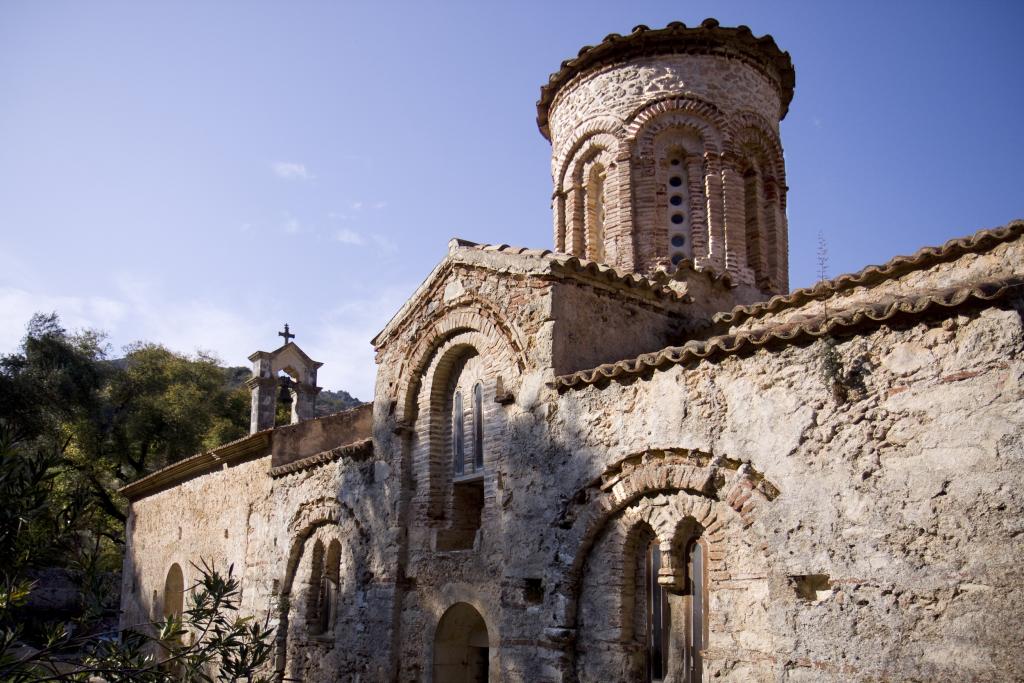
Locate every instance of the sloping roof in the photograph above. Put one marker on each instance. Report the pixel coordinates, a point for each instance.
(544, 262)
(676, 38)
(809, 328)
(983, 240)
(234, 451)
(359, 449)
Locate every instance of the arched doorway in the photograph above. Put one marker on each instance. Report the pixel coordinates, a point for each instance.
(174, 592)
(461, 646)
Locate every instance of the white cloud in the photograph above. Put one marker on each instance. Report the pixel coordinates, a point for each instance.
(290, 170)
(18, 305)
(385, 243)
(380, 205)
(346, 236)
(291, 225)
(139, 310)
(356, 206)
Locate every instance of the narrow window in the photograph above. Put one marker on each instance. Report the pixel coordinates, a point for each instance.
(678, 210)
(753, 227)
(658, 617)
(458, 435)
(695, 623)
(478, 426)
(326, 597)
(316, 598)
(595, 213)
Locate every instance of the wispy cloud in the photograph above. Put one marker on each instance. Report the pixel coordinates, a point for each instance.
(76, 312)
(385, 243)
(291, 170)
(291, 225)
(139, 309)
(346, 236)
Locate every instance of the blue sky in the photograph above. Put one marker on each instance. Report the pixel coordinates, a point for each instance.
(198, 173)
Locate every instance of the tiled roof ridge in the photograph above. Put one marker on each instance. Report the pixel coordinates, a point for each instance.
(192, 465)
(658, 283)
(324, 457)
(982, 240)
(812, 328)
(675, 37)
(199, 463)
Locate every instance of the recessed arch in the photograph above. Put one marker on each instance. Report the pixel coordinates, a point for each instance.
(461, 647)
(476, 317)
(174, 592)
(707, 484)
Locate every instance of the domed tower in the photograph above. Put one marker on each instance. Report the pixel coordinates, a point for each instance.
(666, 153)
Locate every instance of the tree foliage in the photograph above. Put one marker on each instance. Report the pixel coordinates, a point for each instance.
(76, 426)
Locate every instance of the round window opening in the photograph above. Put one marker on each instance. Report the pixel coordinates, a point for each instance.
(675, 181)
(676, 258)
(675, 162)
(678, 241)
(676, 200)
(677, 218)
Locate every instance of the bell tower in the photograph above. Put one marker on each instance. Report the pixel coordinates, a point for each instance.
(286, 375)
(666, 153)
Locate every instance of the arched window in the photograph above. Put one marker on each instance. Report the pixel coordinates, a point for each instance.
(174, 592)
(695, 606)
(458, 435)
(754, 225)
(595, 212)
(316, 576)
(327, 595)
(659, 618)
(677, 207)
(478, 426)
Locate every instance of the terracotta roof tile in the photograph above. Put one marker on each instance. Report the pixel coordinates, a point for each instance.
(677, 37)
(982, 240)
(809, 328)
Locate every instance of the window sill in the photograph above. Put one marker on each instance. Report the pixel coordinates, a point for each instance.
(468, 478)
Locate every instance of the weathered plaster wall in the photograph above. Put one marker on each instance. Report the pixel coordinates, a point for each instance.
(906, 494)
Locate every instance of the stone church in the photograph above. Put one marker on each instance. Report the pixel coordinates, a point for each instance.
(638, 456)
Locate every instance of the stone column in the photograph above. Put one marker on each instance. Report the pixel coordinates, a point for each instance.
(303, 401)
(264, 403)
(713, 192)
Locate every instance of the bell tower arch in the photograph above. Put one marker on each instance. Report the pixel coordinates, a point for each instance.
(285, 375)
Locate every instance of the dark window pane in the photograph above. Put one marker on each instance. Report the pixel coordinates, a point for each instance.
(678, 241)
(675, 200)
(677, 218)
(478, 426)
(675, 181)
(458, 435)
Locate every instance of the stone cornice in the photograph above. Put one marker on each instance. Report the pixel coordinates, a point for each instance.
(359, 450)
(676, 38)
(981, 241)
(844, 321)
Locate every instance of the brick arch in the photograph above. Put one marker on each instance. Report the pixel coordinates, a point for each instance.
(654, 116)
(595, 142)
(605, 124)
(663, 488)
(574, 232)
(433, 461)
(646, 131)
(304, 524)
(473, 314)
(750, 130)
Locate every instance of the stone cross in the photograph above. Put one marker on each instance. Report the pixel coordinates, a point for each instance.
(288, 336)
